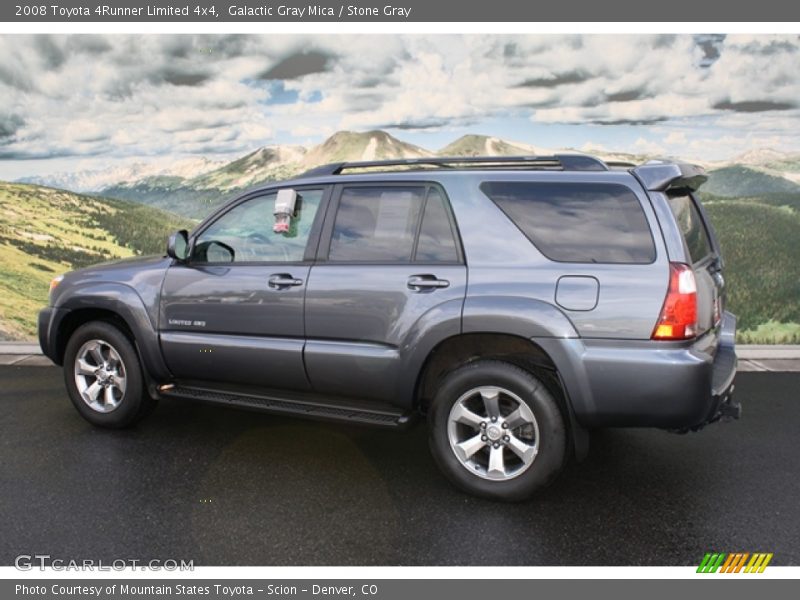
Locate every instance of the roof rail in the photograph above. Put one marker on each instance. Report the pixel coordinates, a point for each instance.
(556, 162)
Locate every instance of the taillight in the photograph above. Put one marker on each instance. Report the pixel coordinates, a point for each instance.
(678, 319)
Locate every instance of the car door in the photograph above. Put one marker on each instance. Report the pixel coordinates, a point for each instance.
(389, 264)
(233, 313)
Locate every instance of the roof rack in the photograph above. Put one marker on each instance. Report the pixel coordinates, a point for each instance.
(556, 162)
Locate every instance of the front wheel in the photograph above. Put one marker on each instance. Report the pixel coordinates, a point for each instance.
(103, 376)
(496, 431)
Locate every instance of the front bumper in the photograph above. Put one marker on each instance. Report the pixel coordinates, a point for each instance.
(614, 383)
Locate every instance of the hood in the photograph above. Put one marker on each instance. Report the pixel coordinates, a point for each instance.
(142, 273)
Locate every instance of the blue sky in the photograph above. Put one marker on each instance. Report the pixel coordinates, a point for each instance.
(77, 102)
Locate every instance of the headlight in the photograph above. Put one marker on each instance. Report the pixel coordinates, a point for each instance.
(54, 282)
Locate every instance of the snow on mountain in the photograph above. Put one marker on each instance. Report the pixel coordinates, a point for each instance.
(97, 180)
(355, 146)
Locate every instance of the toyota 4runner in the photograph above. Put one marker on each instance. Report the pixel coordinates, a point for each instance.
(516, 302)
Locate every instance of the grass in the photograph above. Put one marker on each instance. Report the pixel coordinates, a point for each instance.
(45, 232)
(771, 332)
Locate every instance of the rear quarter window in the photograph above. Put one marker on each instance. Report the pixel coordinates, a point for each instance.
(691, 225)
(577, 222)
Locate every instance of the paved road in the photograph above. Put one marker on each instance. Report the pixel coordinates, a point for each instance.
(221, 486)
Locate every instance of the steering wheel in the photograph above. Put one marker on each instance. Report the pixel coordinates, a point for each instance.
(255, 239)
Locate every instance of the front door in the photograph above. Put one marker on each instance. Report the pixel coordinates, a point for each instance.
(234, 312)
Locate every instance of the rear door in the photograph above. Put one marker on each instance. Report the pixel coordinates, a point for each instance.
(389, 262)
(704, 254)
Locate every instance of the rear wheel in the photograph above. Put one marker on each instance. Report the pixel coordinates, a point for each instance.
(496, 431)
(103, 376)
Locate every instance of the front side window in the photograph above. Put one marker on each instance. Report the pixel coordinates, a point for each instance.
(245, 233)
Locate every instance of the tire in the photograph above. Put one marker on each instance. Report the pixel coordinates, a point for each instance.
(92, 347)
(529, 431)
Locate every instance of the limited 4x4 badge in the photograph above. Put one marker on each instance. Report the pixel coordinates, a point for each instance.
(187, 323)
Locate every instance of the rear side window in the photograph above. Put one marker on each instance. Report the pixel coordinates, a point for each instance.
(376, 224)
(691, 225)
(436, 241)
(577, 222)
(393, 224)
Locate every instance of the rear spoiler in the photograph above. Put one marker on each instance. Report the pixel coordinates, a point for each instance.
(657, 176)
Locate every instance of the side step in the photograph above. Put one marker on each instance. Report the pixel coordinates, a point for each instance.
(293, 407)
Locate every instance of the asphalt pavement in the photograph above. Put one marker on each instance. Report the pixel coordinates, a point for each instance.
(226, 487)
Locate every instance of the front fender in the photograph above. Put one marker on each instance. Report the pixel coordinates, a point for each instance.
(121, 299)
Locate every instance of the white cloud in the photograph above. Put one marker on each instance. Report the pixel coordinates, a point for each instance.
(643, 146)
(675, 138)
(149, 95)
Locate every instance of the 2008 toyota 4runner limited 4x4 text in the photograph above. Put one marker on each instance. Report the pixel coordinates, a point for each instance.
(517, 302)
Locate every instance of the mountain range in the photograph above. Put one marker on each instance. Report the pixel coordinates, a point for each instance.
(194, 186)
(95, 180)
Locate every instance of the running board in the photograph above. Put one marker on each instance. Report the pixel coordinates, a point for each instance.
(283, 406)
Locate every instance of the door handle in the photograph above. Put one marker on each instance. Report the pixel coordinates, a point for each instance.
(419, 283)
(282, 280)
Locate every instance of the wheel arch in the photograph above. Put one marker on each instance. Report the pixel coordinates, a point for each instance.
(76, 318)
(464, 348)
(120, 305)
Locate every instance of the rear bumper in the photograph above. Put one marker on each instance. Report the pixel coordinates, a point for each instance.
(649, 384)
(723, 404)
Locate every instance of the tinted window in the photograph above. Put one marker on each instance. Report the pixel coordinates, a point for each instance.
(376, 224)
(691, 226)
(578, 222)
(246, 229)
(436, 242)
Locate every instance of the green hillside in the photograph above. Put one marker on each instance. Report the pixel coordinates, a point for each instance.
(162, 193)
(197, 197)
(45, 232)
(738, 181)
(759, 238)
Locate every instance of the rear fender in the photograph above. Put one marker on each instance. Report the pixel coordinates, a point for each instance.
(515, 315)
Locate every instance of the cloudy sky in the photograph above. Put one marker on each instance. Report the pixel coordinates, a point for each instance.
(73, 102)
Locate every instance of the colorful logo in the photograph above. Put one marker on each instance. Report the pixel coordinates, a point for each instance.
(735, 562)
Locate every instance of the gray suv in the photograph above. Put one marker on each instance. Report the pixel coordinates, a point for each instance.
(516, 302)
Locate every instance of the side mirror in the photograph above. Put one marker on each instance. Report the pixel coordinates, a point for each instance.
(178, 245)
